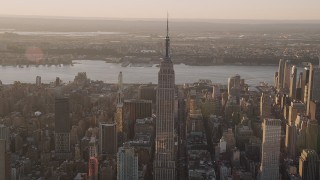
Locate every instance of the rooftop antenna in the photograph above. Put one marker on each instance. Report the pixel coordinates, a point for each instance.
(167, 39)
(167, 24)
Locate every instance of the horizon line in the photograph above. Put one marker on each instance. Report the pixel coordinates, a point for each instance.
(146, 19)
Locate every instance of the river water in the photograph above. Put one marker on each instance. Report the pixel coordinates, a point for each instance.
(108, 72)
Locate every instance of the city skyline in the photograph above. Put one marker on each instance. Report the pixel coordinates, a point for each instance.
(207, 9)
(108, 98)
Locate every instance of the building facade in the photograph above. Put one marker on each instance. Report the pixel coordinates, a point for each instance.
(164, 164)
(107, 139)
(314, 86)
(309, 165)
(270, 149)
(293, 82)
(127, 163)
(265, 106)
(5, 155)
(280, 74)
(62, 128)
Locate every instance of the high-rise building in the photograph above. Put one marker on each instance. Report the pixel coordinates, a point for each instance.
(291, 140)
(148, 92)
(301, 128)
(107, 139)
(93, 168)
(309, 165)
(119, 119)
(234, 86)
(62, 128)
(299, 89)
(304, 81)
(265, 106)
(315, 110)
(314, 86)
(230, 85)
(93, 151)
(293, 82)
(270, 149)
(281, 74)
(312, 134)
(276, 79)
(4, 132)
(127, 163)
(58, 81)
(5, 156)
(38, 80)
(216, 91)
(135, 109)
(306, 95)
(294, 109)
(287, 75)
(107, 172)
(299, 83)
(164, 164)
(120, 89)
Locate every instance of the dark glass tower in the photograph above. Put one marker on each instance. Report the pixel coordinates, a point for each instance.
(62, 128)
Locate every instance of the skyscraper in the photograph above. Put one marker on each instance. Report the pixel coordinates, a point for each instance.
(315, 110)
(312, 134)
(291, 140)
(234, 86)
(93, 147)
(287, 75)
(127, 163)
(93, 168)
(4, 132)
(119, 111)
(270, 149)
(2, 159)
(134, 109)
(309, 165)
(164, 164)
(276, 79)
(295, 109)
(281, 74)
(38, 80)
(148, 92)
(314, 85)
(216, 91)
(120, 89)
(107, 139)
(62, 128)
(304, 81)
(5, 156)
(293, 82)
(265, 106)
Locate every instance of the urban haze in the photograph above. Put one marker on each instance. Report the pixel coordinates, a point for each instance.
(124, 92)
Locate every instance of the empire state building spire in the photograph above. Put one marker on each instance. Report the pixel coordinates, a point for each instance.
(167, 40)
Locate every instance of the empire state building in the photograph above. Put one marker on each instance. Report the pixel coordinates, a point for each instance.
(164, 164)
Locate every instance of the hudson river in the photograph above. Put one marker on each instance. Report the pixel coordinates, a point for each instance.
(108, 72)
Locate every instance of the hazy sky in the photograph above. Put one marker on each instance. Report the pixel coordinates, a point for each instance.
(194, 9)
